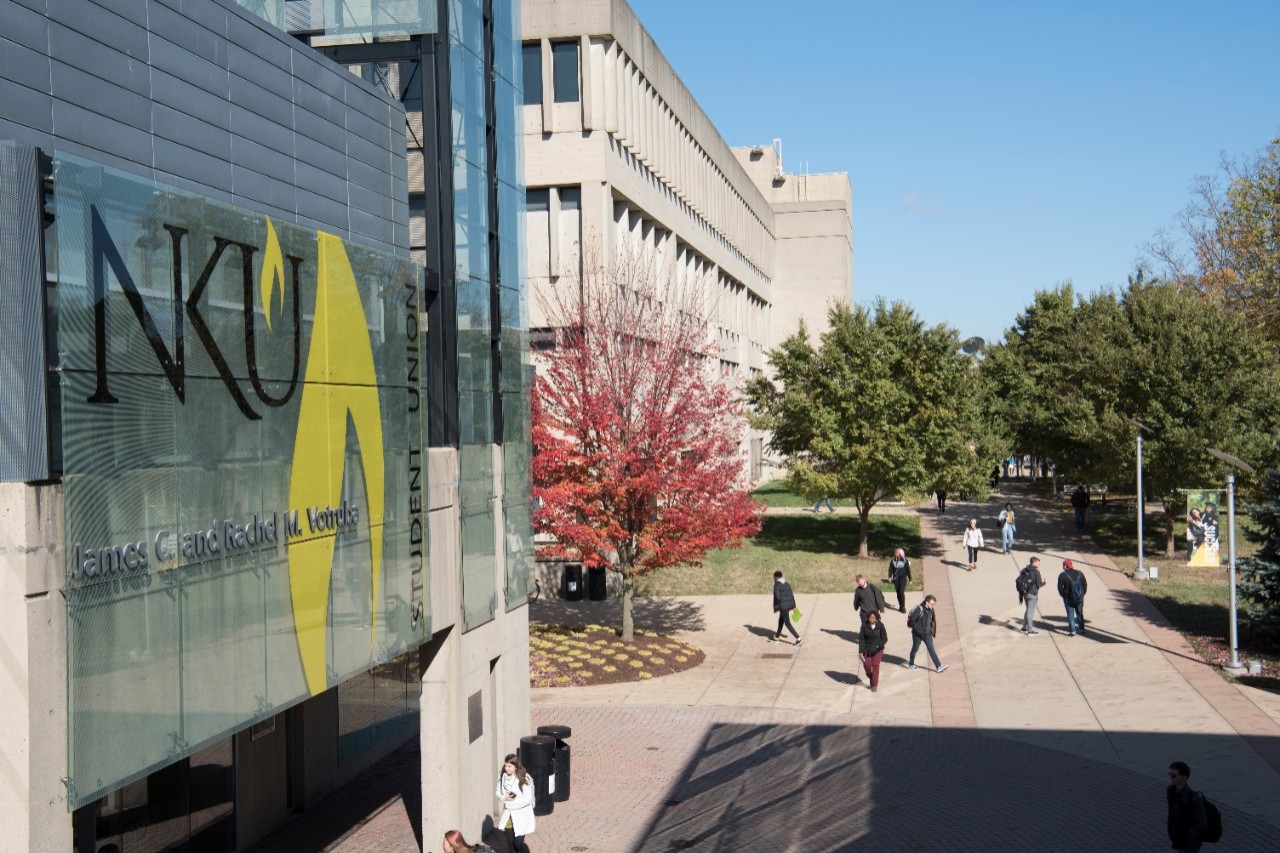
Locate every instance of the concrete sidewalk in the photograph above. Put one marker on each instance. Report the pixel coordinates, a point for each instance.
(1043, 742)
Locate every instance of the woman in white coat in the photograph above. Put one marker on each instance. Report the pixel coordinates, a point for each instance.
(515, 792)
(973, 541)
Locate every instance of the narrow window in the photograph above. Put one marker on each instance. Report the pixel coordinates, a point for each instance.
(531, 55)
(564, 71)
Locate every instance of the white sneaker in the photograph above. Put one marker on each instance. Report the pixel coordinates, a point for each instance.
(912, 667)
(942, 668)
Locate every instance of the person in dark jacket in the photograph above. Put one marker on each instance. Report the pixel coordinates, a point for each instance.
(900, 575)
(923, 630)
(1034, 581)
(1072, 585)
(1080, 503)
(1187, 818)
(784, 601)
(867, 598)
(871, 642)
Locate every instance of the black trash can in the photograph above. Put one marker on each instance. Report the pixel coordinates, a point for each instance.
(537, 754)
(597, 586)
(572, 585)
(562, 758)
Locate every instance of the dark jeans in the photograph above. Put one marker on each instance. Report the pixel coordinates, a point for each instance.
(900, 586)
(1075, 617)
(1080, 513)
(515, 843)
(973, 555)
(784, 619)
(927, 639)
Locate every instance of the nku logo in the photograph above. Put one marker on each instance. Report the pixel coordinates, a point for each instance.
(340, 386)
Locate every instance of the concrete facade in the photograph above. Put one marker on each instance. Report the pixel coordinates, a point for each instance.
(656, 177)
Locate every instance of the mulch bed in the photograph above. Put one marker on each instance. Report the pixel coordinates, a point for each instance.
(1217, 652)
(577, 655)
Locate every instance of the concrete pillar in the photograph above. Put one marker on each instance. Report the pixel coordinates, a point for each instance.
(33, 674)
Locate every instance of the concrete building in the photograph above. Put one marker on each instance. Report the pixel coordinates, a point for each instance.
(619, 157)
(263, 413)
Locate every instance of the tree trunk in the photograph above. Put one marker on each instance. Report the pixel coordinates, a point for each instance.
(1169, 515)
(865, 515)
(628, 593)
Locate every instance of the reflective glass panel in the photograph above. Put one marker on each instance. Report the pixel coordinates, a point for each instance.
(243, 481)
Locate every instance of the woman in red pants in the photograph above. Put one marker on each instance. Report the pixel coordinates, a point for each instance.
(871, 642)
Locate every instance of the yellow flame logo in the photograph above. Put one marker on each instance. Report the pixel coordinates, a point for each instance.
(340, 384)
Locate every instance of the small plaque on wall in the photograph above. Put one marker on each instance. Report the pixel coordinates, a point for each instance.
(475, 716)
(262, 729)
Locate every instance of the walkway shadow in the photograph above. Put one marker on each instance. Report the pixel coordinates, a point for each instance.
(847, 636)
(730, 795)
(662, 615)
(848, 678)
(758, 631)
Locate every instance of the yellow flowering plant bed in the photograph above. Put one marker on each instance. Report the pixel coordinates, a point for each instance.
(575, 655)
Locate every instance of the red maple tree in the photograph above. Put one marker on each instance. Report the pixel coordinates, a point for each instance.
(637, 458)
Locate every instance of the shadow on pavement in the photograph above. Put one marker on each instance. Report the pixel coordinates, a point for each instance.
(663, 615)
(842, 677)
(847, 636)
(888, 788)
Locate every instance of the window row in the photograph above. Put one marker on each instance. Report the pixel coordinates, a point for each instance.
(563, 56)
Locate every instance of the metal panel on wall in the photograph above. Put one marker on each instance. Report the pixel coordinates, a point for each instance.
(243, 466)
(24, 439)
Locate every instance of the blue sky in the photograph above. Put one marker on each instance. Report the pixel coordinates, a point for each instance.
(994, 149)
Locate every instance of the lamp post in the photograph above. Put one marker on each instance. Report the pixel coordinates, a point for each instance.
(1234, 665)
(1142, 572)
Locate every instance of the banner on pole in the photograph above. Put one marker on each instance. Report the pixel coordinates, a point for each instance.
(1202, 527)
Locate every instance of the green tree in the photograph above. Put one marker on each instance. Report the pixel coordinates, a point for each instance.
(1260, 574)
(1085, 369)
(883, 406)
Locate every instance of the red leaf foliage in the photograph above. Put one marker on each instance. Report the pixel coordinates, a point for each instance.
(637, 459)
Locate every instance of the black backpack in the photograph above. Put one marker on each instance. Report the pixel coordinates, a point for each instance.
(1075, 589)
(914, 616)
(1213, 819)
(1025, 583)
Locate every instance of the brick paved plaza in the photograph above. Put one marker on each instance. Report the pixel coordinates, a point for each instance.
(1043, 743)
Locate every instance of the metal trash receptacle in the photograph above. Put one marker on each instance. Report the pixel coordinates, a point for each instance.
(537, 754)
(571, 586)
(562, 759)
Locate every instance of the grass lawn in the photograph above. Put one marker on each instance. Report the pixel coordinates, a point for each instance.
(817, 553)
(1195, 599)
(775, 494)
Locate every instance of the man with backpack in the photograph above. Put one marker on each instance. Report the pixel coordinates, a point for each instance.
(1028, 585)
(1192, 820)
(1072, 586)
(924, 627)
(867, 598)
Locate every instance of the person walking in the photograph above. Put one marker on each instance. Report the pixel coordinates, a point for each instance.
(1188, 820)
(784, 601)
(973, 541)
(1007, 528)
(867, 598)
(827, 500)
(1080, 501)
(941, 495)
(923, 622)
(515, 792)
(1072, 586)
(454, 843)
(900, 576)
(1029, 583)
(871, 642)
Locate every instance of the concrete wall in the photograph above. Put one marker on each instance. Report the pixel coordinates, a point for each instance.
(209, 98)
(33, 750)
(491, 662)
